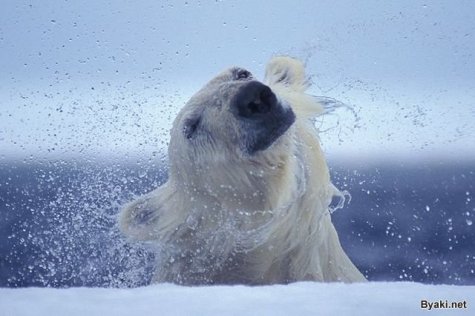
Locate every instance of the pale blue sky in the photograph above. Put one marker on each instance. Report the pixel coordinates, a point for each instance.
(107, 77)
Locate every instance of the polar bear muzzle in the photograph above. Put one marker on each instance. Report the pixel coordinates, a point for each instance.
(254, 100)
(262, 116)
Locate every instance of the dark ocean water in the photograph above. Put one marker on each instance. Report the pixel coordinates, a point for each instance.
(58, 222)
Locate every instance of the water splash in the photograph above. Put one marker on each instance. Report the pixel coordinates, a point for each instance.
(340, 199)
(66, 233)
(334, 117)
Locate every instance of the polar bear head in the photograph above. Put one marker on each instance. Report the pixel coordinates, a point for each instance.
(232, 115)
(233, 120)
(229, 149)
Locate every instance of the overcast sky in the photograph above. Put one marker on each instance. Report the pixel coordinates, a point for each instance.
(81, 78)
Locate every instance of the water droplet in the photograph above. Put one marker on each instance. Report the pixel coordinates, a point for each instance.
(142, 173)
(469, 222)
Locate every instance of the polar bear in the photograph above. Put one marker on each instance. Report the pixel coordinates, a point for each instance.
(248, 195)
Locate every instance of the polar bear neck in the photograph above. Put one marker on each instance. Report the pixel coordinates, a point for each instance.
(256, 183)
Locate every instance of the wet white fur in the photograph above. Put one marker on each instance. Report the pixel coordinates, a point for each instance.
(269, 212)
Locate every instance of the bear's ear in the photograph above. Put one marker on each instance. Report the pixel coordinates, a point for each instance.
(151, 216)
(286, 71)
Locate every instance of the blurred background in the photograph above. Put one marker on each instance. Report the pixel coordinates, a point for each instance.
(88, 92)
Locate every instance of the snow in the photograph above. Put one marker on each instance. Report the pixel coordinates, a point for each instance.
(303, 298)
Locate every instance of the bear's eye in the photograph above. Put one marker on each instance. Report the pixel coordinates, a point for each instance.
(190, 126)
(243, 74)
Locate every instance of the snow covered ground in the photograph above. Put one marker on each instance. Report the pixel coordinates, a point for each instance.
(304, 298)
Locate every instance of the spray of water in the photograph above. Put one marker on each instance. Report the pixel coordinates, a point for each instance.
(68, 236)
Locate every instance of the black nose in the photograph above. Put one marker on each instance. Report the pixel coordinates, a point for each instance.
(254, 99)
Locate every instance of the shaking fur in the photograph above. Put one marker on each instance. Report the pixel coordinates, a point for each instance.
(231, 213)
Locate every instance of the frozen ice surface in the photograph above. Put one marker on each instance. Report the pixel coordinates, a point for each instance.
(303, 298)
